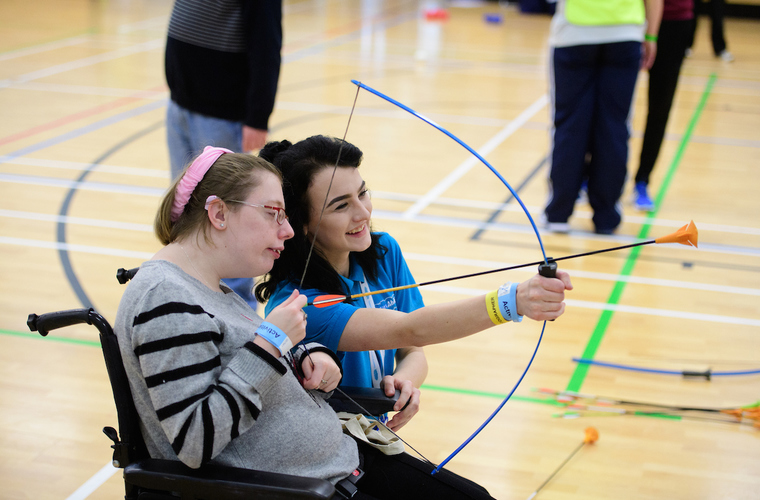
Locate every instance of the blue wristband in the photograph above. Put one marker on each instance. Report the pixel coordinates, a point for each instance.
(508, 302)
(274, 336)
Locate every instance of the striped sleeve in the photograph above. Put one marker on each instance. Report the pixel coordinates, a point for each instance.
(201, 405)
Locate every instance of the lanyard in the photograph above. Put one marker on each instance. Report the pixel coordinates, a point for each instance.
(375, 357)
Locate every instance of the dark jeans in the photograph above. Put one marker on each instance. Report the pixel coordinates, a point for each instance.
(591, 88)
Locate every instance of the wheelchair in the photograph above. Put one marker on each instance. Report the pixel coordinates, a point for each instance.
(146, 478)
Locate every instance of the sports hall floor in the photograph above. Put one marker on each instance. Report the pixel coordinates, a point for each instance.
(83, 163)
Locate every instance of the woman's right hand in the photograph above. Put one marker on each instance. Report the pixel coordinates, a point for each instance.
(541, 298)
(290, 317)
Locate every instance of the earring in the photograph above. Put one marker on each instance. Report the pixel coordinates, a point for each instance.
(221, 225)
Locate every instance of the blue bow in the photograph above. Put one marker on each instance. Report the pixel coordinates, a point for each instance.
(532, 223)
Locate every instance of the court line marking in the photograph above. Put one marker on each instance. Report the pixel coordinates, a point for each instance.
(595, 340)
(82, 166)
(471, 161)
(583, 304)
(578, 273)
(614, 307)
(45, 47)
(377, 214)
(84, 62)
(95, 482)
(446, 202)
(410, 256)
(71, 247)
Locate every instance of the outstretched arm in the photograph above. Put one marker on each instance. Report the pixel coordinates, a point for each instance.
(538, 298)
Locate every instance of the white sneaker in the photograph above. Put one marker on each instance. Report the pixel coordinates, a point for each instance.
(726, 56)
(557, 227)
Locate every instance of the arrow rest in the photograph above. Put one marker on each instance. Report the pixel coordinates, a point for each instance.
(548, 269)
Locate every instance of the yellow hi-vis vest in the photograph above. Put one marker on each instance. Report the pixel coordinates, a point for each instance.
(604, 12)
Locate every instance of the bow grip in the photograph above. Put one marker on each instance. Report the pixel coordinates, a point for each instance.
(548, 269)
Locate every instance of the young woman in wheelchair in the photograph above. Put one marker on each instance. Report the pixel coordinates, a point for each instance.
(348, 258)
(212, 381)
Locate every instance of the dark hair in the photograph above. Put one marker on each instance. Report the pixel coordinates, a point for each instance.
(299, 163)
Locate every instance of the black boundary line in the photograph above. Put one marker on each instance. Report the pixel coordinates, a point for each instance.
(63, 212)
(476, 236)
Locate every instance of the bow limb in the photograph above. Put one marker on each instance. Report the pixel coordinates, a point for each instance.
(532, 223)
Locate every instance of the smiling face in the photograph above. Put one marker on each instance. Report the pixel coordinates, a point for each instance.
(256, 235)
(345, 223)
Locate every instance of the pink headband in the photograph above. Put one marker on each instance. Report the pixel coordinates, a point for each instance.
(193, 176)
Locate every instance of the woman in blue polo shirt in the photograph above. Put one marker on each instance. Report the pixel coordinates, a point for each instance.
(378, 338)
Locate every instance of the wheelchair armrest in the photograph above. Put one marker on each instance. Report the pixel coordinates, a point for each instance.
(372, 399)
(223, 483)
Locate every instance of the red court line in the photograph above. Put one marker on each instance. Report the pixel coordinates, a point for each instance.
(74, 117)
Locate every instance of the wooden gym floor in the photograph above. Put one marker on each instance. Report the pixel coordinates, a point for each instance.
(83, 163)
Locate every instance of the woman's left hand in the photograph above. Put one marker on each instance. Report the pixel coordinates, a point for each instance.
(409, 397)
(323, 375)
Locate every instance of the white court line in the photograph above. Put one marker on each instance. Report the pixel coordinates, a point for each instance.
(526, 229)
(94, 482)
(54, 245)
(87, 61)
(377, 214)
(410, 256)
(44, 47)
(644, 311)
(451, 202)
(65, 88)
(83, 186)
(156, 22)
(82, 166)
(470, 162)
(581, 214)
(488, 264)
(79, 221)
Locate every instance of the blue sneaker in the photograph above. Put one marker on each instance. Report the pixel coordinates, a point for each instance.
(583, 193)
(641, 199)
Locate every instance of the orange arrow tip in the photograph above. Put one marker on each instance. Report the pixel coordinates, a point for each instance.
(327, 300)
(592, 435)
(687, 235)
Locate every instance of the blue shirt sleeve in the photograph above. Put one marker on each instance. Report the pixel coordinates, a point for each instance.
(324, 325)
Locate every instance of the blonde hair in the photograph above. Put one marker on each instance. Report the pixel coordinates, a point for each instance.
(231, 177)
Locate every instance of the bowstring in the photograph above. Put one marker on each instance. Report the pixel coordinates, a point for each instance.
(324, 206)
(381, 423)
(327, 195)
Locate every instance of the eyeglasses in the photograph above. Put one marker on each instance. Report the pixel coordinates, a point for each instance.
(280, 215)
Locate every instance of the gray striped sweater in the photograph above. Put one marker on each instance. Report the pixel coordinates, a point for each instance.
(205, 392)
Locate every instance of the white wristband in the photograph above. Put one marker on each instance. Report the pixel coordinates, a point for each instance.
(274, 336)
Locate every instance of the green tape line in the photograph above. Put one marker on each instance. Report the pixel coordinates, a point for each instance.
(37, 336)
(469, 392)
(581, 370)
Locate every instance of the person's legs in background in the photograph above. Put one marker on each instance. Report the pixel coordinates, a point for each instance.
(612, 109)
(572, 89)
(187, 133)
(663, 80)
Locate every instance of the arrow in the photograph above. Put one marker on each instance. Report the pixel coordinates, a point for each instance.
(591, 436)
(686, 235)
